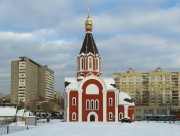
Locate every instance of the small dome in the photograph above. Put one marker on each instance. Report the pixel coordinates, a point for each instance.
(88, 21)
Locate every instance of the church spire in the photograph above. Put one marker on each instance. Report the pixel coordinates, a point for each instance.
(89, 59)
(88, 23)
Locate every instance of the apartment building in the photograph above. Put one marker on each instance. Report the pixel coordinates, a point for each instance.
(30, 81)
(153, 88)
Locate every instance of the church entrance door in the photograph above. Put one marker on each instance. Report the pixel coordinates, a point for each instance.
(92, 118)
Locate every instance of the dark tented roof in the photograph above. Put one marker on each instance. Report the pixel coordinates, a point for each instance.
(89, 46)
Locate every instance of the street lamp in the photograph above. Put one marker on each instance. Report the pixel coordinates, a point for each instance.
(4, 101)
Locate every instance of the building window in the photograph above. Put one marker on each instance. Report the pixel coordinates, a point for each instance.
(87, 104)
(73, 116)
(96, 104)
(120, 116)
(74, 101)
(110, 116)
(97, 64)
(91, 63)
(92, 104)
(110, 102)
(82, 63)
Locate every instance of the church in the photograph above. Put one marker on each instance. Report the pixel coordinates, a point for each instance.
(89, 97)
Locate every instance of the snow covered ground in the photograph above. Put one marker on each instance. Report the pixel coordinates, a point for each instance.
(56, 128)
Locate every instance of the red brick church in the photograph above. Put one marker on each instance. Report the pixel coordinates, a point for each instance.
(89, 96)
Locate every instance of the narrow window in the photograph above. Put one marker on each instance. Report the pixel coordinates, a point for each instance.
(110, 116)
(97, 64)
(97, 105)
(87, 105)
(74, 101)
(92, 104)
(120, 115)
(82, 63)
(73, 116)
(90, 63)
(110, 102)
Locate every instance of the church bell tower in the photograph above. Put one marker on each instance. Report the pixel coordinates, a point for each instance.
(89, 59)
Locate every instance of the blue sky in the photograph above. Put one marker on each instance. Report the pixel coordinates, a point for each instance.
(142, 34)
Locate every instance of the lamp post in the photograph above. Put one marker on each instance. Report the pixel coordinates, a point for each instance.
(4, 101)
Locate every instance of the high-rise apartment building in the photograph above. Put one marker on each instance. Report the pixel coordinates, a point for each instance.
(152, 88)
(30, 81)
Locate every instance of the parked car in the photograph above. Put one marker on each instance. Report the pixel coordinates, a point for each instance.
(128, 120)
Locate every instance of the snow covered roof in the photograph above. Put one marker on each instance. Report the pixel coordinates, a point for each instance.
(125, 99)
(20, 113)
(23, 113)
(74, 84)
(7, 111)
(109, 83)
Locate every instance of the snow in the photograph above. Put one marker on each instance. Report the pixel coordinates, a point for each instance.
(109, 82)
(74, 84)
(7, 111)
(123, 96)
(104, 129)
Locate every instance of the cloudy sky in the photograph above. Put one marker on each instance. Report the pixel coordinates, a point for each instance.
(142, 34)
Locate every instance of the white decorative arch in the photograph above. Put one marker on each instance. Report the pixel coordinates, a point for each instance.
(92, 113)
(93, 77)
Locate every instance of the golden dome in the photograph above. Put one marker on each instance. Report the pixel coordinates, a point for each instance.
(88, 22)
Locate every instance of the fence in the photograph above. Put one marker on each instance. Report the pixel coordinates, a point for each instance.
(6, 122)
(11, 129)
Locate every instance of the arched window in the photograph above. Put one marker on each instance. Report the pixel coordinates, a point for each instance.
(120, 115)
(74, 116)
(74, 101)
(90, 60)
(87, 104)
(97, 64)
(92, 104)
(96, 104)
(82, 63)
(110, 116)
(110, 102)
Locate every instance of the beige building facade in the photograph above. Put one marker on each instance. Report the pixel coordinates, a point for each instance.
(30, 81)
(150, 88)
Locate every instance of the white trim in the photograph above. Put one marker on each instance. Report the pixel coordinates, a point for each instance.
(80, 105)
(126, 111)
(116, 105)
(104, 106)
(92, 113)
(68, 106)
